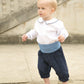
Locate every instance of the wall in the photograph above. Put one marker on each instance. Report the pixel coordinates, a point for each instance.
(7, 7)
(16, 12)
(23, 17)
(73, 16)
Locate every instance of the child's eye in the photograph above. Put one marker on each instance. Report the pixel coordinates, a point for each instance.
(43, 8)
(38, 8)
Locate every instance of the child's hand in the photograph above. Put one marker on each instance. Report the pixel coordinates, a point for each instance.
(61, 38)
(24, 37)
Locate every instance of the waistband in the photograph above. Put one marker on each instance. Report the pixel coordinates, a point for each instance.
(49, 48)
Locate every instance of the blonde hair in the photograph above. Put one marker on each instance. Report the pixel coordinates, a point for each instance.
(53, 3)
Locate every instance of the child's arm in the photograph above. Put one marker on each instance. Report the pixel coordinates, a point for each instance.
(30, 35)
(63, 34)
(24, 37)
(61, 38)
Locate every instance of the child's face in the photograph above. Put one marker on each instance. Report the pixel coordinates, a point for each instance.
(45, 10)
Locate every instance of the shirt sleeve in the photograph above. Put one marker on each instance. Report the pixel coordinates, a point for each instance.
(32, 34)
(63, 30)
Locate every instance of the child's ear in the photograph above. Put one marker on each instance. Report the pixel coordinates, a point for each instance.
(53, 10)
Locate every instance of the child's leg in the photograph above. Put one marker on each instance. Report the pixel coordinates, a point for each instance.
(43, 67)
(62, 71)
(60, 66)
(46, 80)
(65, 83)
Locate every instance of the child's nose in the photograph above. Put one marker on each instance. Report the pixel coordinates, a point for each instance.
(40, 10)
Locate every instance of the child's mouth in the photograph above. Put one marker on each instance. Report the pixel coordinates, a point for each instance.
(40, 14)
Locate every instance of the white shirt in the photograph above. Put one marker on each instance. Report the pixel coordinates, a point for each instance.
(47, 32)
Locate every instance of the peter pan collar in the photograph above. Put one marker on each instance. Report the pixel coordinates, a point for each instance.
(53, 20)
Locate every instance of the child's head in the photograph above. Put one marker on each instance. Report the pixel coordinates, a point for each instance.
(46, 8)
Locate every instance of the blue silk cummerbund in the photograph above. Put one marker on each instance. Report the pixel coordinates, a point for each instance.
(49, 48)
